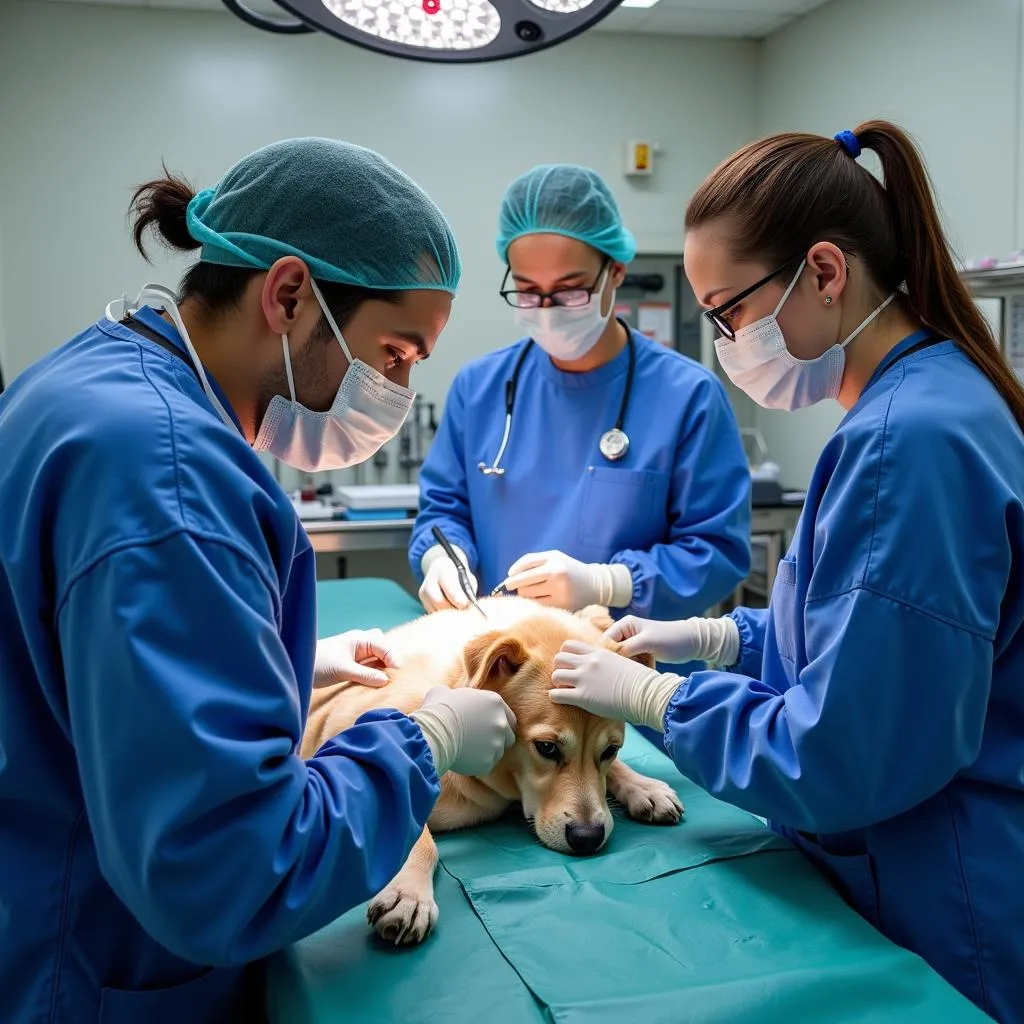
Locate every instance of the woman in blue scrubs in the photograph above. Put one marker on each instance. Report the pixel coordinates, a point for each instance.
(158, 830)
(623, 481)
(875, 712)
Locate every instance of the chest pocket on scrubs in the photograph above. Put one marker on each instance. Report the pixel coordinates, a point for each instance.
(623, 508)
(784, 609)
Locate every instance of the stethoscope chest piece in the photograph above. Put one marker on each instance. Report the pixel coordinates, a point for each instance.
(613, 444)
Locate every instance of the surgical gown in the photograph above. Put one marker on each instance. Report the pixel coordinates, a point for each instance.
(675, 510)
(157, 638)
(876, 714)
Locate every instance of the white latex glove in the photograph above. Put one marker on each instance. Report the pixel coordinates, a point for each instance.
(611, 686)
(716, 641)
(553, 578)
(353, 657)
(441, 587)
(467, 730)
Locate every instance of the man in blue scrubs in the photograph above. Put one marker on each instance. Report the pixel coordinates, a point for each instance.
(158, 830)
(624, 479)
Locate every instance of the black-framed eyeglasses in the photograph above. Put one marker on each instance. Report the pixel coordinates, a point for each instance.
(571, 298)
(716, 316)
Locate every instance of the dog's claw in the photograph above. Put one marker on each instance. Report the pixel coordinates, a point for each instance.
(654, 801)
(401, 917)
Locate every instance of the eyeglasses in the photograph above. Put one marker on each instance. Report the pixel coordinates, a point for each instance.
(716, 316)
(571, 298)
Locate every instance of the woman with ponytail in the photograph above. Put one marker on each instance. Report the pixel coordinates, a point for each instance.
(875, 712)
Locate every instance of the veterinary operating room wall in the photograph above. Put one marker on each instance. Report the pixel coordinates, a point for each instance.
(104, 93)
(950, 71)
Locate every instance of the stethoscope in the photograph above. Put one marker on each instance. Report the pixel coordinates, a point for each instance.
(613, 444)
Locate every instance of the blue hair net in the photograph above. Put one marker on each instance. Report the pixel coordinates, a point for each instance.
(350, 215)
(563, 199)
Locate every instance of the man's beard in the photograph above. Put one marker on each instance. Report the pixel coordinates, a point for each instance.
(309, 372)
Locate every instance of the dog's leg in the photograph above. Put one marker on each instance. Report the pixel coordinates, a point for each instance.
(404, 912)
(644, 799)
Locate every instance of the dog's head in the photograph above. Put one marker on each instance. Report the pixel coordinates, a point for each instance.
(559, 764)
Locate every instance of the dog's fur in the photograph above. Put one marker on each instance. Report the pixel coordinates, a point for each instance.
(511, 652)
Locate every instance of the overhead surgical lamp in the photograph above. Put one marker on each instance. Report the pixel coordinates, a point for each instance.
(451, 31)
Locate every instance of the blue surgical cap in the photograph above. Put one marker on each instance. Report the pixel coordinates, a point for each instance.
(563, 199)
(350, 215)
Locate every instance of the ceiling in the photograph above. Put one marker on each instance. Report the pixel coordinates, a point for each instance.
(751, 19)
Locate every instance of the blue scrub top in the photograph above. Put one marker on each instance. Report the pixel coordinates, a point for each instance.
(876, 714)
(675, 510)
(157, 639)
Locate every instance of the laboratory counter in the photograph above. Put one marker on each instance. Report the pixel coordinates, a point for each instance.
(771, 529)
(716, 920)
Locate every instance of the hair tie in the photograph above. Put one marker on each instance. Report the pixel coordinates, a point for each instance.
(849, 142)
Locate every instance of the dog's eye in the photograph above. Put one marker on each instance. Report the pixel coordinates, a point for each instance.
(609, 752)
(547, 749)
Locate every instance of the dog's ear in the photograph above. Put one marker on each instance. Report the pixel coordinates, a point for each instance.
(493, 658)
(597, 615)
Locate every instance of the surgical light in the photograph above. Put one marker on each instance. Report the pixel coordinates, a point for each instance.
(453, 31)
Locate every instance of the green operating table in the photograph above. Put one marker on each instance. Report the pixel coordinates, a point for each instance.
(716, 921)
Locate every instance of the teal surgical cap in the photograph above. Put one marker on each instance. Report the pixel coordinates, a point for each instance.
(563, 199)
(346, 212)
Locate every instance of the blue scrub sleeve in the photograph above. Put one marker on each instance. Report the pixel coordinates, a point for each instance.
(186, 718)
(444, 496)
(707, 552)
(890, 706)
(751, 623)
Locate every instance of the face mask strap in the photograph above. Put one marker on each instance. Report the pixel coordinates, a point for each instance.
(330, 320)
(871, 316)
(288, 365)
(789, 290)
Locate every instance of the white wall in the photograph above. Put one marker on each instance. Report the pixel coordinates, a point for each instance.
(947, 70)
(104, 93)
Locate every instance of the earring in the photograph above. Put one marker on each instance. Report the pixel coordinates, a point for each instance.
(828, 300)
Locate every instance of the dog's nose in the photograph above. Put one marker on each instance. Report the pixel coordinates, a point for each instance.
(584, 838)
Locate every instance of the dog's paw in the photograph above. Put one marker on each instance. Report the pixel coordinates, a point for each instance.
(402, 915)
(651, 800)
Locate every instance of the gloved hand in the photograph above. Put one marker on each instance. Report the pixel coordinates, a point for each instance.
(467, 730)
(553, 578)
(611, 686)
(716, 641)
(353, 657)
(441, 587)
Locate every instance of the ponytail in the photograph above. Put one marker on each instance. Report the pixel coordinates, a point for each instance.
(937, 294)
(788, 191)
(161, 204)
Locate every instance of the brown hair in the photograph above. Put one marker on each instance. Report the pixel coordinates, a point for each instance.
(789, 191)
(161, 205)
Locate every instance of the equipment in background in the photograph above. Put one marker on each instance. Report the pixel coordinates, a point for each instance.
(414, 439)
(998, 290)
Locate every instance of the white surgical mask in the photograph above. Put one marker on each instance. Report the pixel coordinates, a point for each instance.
(759, 363)
(367, 412)
(567, 334)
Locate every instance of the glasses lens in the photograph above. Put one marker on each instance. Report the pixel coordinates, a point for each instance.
(523, 300)
(573, 298)
(724, 328)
